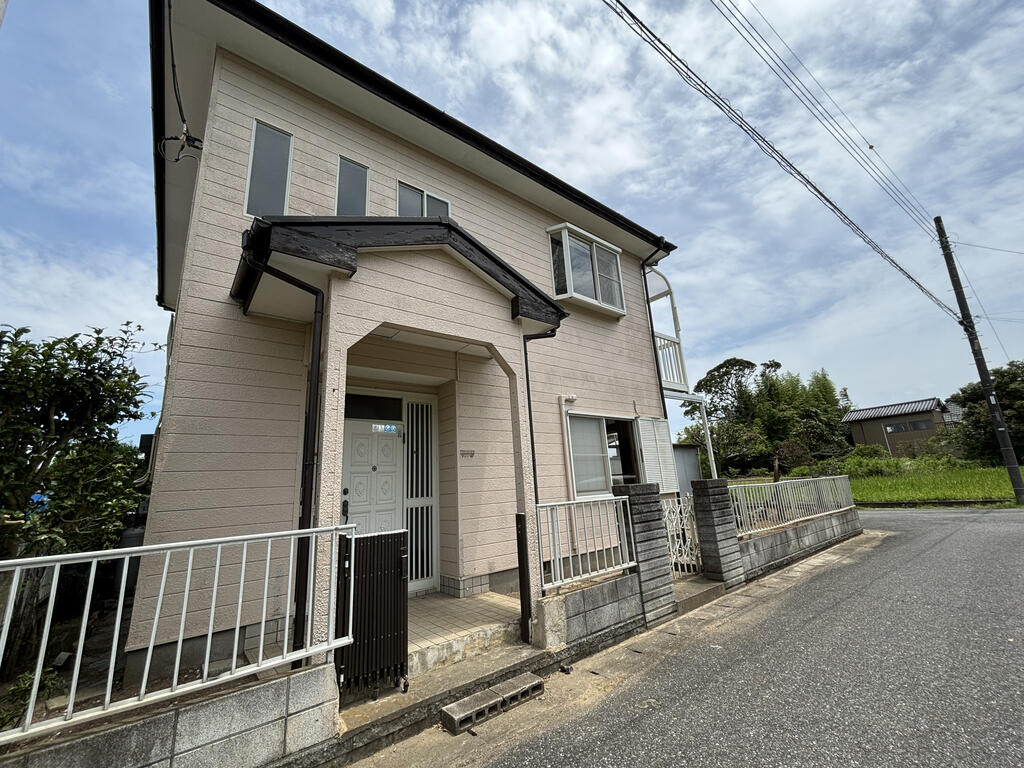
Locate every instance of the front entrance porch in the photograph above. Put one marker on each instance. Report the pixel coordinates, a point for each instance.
(445, 629)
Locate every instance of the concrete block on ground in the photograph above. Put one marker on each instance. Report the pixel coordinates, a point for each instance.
(519, 689)
(472, 710)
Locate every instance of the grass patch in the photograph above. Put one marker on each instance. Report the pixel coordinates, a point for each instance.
(934, 485)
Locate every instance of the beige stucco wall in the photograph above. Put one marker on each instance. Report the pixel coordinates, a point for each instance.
(228, 458)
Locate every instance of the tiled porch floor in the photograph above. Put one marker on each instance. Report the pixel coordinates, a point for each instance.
(436, 619)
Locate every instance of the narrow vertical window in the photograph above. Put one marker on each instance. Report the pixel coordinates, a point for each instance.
(558, 264)
(351, 188)
(268, 171)
(591, 473)
(608, 278)
(410, 201)
(582, 268)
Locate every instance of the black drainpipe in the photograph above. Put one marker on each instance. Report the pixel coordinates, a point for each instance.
(650, 319)
(522, 543)
(310, 430)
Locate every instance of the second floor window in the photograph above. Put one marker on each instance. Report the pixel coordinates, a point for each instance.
(586, 268)
(416, 202)
(267, 186)
(351, 188)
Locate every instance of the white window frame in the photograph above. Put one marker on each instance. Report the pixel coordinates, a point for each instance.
(248, 171)
(591, 495)
(563, 231)
(399, 183)
(337, 184)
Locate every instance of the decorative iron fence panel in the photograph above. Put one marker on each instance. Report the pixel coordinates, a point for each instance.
(683, 544)
(764, 506)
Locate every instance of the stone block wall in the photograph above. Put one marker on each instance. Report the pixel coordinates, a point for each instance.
(773, 549)
(589, 612)
(249, 726)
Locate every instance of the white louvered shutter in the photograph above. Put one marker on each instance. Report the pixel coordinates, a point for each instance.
(656, 449)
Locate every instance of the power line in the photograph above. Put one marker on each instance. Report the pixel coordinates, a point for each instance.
(735, 17)
(692, 79)
(870, 145)
(988, 247)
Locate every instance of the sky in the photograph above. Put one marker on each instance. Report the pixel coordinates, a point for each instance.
(763, 271)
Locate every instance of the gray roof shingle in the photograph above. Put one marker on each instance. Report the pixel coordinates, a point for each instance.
(896, 409)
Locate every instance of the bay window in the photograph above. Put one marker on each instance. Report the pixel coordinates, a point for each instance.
(586, 269)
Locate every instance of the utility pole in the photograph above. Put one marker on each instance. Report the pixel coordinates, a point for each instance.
(967, 323)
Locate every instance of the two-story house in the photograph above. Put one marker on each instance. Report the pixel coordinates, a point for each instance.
(381, 316)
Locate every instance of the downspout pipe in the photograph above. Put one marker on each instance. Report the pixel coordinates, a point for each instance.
(310, 430)
(522, 542)
(650, 319)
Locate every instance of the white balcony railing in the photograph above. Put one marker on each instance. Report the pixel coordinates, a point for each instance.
(582, 539)
(764, 506)
(670, 357)
(241, 588)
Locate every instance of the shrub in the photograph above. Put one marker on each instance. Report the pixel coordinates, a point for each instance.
(858, 466)
(804, 471)
(868, 452)
(827, 467)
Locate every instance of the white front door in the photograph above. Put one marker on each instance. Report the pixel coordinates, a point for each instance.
(371, 476)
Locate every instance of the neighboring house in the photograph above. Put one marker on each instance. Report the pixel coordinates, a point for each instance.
(484, 343)
(901, 428)
(687, 457)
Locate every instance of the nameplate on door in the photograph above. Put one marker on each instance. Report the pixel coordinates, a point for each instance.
(385, 428)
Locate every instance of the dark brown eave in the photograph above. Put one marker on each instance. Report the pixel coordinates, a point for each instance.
(334, 241)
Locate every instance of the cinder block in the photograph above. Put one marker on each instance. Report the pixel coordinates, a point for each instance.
(627, 586)
(223, 716)
(470, 711)
(312, 687)
(519, 689)
(629, 608)
(135, 744)
(575, 628)
(245, 750)
(574, 603)
(601, 618)
(311, 726)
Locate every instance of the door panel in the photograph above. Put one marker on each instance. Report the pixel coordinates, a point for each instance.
(371, 477)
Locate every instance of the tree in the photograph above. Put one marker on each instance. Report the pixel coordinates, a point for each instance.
(64, 477)
(975, 435)
(762, 413)
(61, 397)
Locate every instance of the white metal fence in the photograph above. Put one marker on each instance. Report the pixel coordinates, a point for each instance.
(683, 544)
(244, 586)
(763, 506)
(581, 539)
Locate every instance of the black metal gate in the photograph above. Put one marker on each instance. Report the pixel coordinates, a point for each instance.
(378, 655)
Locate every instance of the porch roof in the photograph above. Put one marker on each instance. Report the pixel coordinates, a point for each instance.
(332, 243)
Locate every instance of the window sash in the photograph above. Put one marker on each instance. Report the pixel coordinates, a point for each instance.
(426, 205)
(353, 188)
(270, 160)
(579, 271)
(588, 457)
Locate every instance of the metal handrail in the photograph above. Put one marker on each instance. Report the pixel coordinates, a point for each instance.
(582, 539)
(52, 565)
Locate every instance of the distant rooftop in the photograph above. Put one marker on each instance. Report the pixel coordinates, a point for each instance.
(895, 409)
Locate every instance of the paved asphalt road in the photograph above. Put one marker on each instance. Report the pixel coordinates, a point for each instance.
(907, 650)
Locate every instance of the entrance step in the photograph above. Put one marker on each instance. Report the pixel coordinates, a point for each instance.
(691, 592)
(472, 710)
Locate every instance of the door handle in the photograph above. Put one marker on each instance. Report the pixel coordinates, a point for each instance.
(344, 510)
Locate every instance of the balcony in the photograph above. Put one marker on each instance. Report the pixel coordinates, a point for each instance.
(670, 358)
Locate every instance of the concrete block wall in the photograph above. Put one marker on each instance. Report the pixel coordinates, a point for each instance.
(653, 561)
(589, 612)
(773, 549)
(249, 726)
(716, 531)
